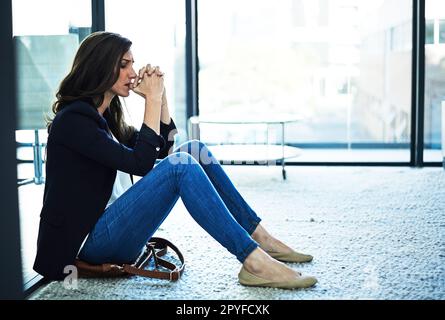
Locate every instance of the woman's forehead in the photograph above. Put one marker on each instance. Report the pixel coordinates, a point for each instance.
(128, 55)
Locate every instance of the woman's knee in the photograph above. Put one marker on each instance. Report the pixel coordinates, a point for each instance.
(192, 146)
(198, 150)
(180, 158)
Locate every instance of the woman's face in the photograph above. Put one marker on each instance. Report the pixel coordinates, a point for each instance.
(126, 76)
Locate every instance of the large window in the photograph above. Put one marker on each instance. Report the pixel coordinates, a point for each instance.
(46, 36)
(157, 30)
(434, 79)
(343, 65)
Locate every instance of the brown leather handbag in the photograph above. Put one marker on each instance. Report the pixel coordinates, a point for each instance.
(154, 249)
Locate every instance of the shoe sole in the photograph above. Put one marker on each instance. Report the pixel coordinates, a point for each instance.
(248, 279)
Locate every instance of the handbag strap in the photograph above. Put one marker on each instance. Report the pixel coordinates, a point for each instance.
(149, 252)
(102, 270)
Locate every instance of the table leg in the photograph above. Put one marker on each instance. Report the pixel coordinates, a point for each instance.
(38, 160)
(283, 170)
(267, 141)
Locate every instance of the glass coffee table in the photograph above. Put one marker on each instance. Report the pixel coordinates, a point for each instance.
(245, 153)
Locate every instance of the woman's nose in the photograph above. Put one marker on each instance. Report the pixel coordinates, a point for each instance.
(132, 74)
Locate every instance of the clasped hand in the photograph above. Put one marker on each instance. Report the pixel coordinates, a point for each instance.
(149, 83)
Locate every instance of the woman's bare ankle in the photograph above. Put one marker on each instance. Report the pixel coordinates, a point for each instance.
(256, 260)
(260, 234)
(263, 238)
(267, 242)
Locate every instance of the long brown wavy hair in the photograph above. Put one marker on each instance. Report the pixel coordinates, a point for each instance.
(95, 69)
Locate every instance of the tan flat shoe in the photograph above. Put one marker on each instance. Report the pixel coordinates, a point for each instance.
(248, 279)
(291, 257)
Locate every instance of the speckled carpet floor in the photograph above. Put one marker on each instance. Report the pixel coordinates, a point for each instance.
(375, 233)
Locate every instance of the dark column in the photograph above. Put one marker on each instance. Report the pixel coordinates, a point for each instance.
(192, 65)
(97, 15)
(418, 84)
(11, 278)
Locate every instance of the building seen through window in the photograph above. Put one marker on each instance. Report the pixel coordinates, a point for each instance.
(434, 77)
(344, 65)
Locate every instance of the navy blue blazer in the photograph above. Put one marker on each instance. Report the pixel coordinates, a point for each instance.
(81, 164)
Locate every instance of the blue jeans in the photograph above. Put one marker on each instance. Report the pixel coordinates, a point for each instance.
(192, 173)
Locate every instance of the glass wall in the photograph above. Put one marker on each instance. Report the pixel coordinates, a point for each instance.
(157, 30)
(46, 35)
(344, 66)
(434, 79)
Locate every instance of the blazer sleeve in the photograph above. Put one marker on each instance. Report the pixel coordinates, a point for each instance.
(84, 135)
(168, 132)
